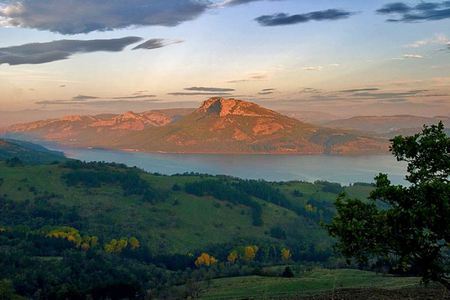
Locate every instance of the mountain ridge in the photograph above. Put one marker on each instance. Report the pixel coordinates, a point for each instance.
(219, 125)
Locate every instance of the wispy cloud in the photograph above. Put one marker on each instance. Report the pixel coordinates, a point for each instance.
(136, 97)
(280, 19)
(226, 3)
(197, 94)
(157, 43)
(208, 89)
(424, 11)
(438, 39)
(94, 103)
(412, 56)
(39, 53)
(83, 98)
(313, 68)
(83, 16)
(369, 89)
(251, 77)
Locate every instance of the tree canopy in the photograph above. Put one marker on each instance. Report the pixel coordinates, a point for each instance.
(404, 227)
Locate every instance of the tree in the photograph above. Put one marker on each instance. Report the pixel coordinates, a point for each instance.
(205, 260)
(285, 254)
(250, 253)
(134, 243)
(232, 257)
(406, 226)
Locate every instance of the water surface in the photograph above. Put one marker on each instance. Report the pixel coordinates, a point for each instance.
(340, 169)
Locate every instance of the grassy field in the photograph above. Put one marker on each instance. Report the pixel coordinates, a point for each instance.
(315, 282)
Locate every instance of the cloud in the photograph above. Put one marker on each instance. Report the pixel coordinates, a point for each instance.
(135, 97)
(313, 68)
(156, 43)
(83, 16)
(285, 19)
(438, 39)
(387, 95)
(237, 2)
(412, 56)
(208, 89)
(310, 91)
(424, 11)
(83, 98)
(360, 90)
(93, 103)
(198, 94)
(253, 77)
(39, 53)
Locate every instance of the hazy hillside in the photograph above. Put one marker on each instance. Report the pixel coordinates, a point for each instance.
(388, 125)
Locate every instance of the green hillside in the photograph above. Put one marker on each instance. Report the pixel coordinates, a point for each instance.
(28, 152)
(145, 231)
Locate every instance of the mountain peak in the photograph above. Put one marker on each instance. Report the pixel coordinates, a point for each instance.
(229, 106)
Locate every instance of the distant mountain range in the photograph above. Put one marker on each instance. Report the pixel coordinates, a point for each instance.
(388, 126)
(219, 125)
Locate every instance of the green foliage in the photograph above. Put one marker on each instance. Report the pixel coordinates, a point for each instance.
(411, 231)
(27, 153)
(223, 191)
(130, 180)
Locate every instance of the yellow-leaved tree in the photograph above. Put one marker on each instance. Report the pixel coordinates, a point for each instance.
(233, 257)
(134, 243)
(250, 253)
(205, 260)
(285, 254)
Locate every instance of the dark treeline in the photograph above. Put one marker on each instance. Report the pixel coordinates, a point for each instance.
(93, 175)
(223, 191)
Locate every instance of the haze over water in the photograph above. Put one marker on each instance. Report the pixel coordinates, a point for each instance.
(341, 169)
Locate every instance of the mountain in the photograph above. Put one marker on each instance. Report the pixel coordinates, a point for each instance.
(82, 130)
(222, 125)
(219, 125)
(388, 126)
(28, 152)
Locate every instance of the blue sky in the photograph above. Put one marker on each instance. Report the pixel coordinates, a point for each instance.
(311, 64)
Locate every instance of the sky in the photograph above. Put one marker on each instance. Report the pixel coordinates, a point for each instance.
(342, 57)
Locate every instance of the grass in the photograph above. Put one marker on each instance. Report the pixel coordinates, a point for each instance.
(312, 283)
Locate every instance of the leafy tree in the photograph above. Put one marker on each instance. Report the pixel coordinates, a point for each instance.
(250, 253)
(205, 260)
(406, 226)
(233, 257)
(134, 243)
(116, 246)
(285, 254)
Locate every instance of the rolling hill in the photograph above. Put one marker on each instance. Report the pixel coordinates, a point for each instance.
(28, 152)
(219, 125)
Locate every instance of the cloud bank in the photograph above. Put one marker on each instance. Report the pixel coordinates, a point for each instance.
(286, 19)
(83, 16)
(39, 53)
